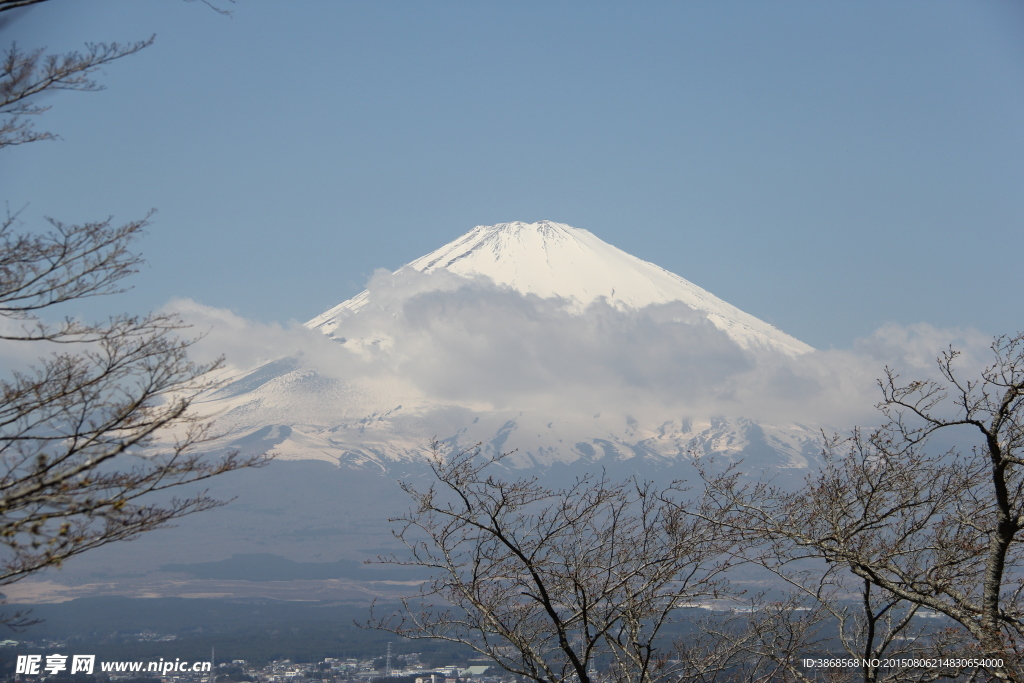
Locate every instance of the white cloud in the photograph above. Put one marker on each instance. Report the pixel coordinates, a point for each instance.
(466, 342)
(242, 342)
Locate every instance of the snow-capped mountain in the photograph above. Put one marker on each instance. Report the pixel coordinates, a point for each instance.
(537, 337)
(556, 260)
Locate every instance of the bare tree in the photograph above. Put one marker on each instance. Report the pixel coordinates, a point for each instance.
(100, 423)
(920, 530)
(759, 641)
(548, 583)
(76, 428)
(880, 635)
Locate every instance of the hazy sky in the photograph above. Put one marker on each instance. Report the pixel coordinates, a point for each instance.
(827, 167)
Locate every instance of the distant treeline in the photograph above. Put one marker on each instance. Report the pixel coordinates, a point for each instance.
(269, 567)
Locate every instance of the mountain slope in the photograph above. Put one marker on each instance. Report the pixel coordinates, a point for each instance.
(534, 337)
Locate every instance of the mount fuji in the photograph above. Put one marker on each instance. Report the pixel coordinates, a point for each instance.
(537, 338)
(553, 260)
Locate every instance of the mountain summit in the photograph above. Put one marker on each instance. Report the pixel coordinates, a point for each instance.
(533, 337)
(554, 260)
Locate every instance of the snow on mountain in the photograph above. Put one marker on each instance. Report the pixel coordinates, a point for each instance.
(556, 260)
(421, 356)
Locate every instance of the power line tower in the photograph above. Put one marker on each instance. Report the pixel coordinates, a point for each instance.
(387, 667)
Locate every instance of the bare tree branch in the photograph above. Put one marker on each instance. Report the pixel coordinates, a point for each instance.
(100, 426)
(919, 529)
(549, 582)
(26, 74)
(16, 4)
(79, 430)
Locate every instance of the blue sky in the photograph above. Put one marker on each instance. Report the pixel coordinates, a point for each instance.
(827, 167)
